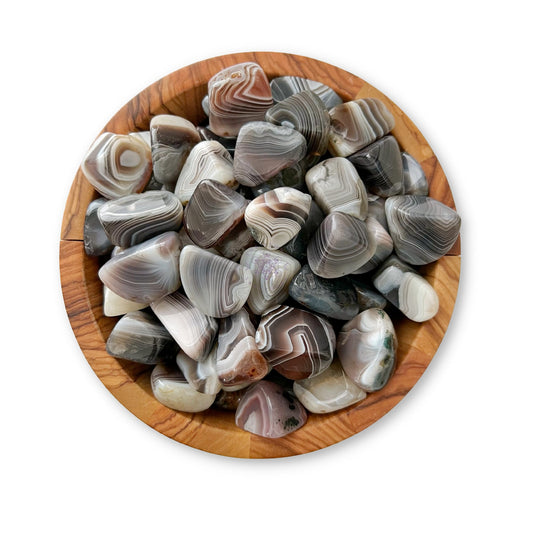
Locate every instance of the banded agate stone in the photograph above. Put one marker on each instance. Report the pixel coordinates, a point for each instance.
(414, 177)
(285, 86)
(383, 245)
(298, 344)
(237, 95)
(117, 165)
(200, 373)
(269, 410)
(95, 239)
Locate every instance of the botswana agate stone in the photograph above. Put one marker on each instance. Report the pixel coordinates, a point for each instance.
(269, 410)
(422, 228)
(135, 218)
(288, 177)
(334, 298)
(235, 242)
(118, 165)
(376, 209)
(172, 390)
(383, 244)
(298, 344)
(414, 177)
(95, 239)
(227, 142)
(115, 305)
(406, 289)
(367, 349)
(201, 373)
(284, 86)
(263, 150)
(207, 160)
(212, 212)
(172, 138)
(357, 124)
(340, 246)
(367, 297)
(193, 330)
(275, 217)
(272, 272)
(145, 272)
(217, 286)
(330, 391)
(237, 95)
(336, 186)
(306, 113)
(138, 336)
(380, 167)
(238, 361)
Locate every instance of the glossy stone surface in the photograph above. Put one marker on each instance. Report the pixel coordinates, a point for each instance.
(406, 289)
(297, 246)
(193, 330)
(272, 272)
(336, 186)
(95, 239)
(422, 228)
(207, 160)
(357, 124)
(212, 212)
(334, 298)
(235, 242)
(238, 361)
(145, 272)
(330, 391)
(237, 95)
(263, 150)
(284, 86)
(268, 410)
(115, 305)
(118, 165)
(172, 139)
(366, 347)
(170, 388)
(139, 336)
(376, 209)
(227, 142)
(380, 166)
(414, 177)
(383, 245)
(201, 373)
(306, 113)
(135, 218)
(339, 246)
(298, 344)
(275, 217)
(367, 296)
(293, 176)
(215, 285)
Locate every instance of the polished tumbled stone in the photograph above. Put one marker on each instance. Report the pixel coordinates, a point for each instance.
(414, 177)
(285, 86)
(383, 244)
(334, 298)
(95, 239)
(200, 373)
(367, 295)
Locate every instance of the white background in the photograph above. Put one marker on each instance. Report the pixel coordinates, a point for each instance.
(455, 455)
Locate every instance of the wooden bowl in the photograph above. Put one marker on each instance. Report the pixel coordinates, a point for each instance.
(214, 431)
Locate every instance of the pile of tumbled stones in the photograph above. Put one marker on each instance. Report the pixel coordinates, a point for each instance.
(256, 258)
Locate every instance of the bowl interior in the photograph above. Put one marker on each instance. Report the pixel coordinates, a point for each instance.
(181, 93)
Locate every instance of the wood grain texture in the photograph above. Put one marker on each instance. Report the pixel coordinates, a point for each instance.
(214, 431)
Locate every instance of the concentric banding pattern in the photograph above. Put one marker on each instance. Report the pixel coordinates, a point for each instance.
(172, 138)
(200, 374)
(138, 336)
(135, 218)
(192, 330)
(237, 95)
(414, 177)
(212, 212)
(339, 246)
(238, 361)
(95, 239)
(357, 124)
(272, 273)
(366, 347)
(264, 149)
(383, 244)
(380, 167)
(422, 228)
(118, 165)
(207, 160)
(215, 285)
(266, 409)
(306, 113)
(170, 388)
(275, 217)
(298, 344)
(336, 186)
(285, 86)
(145, 272)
